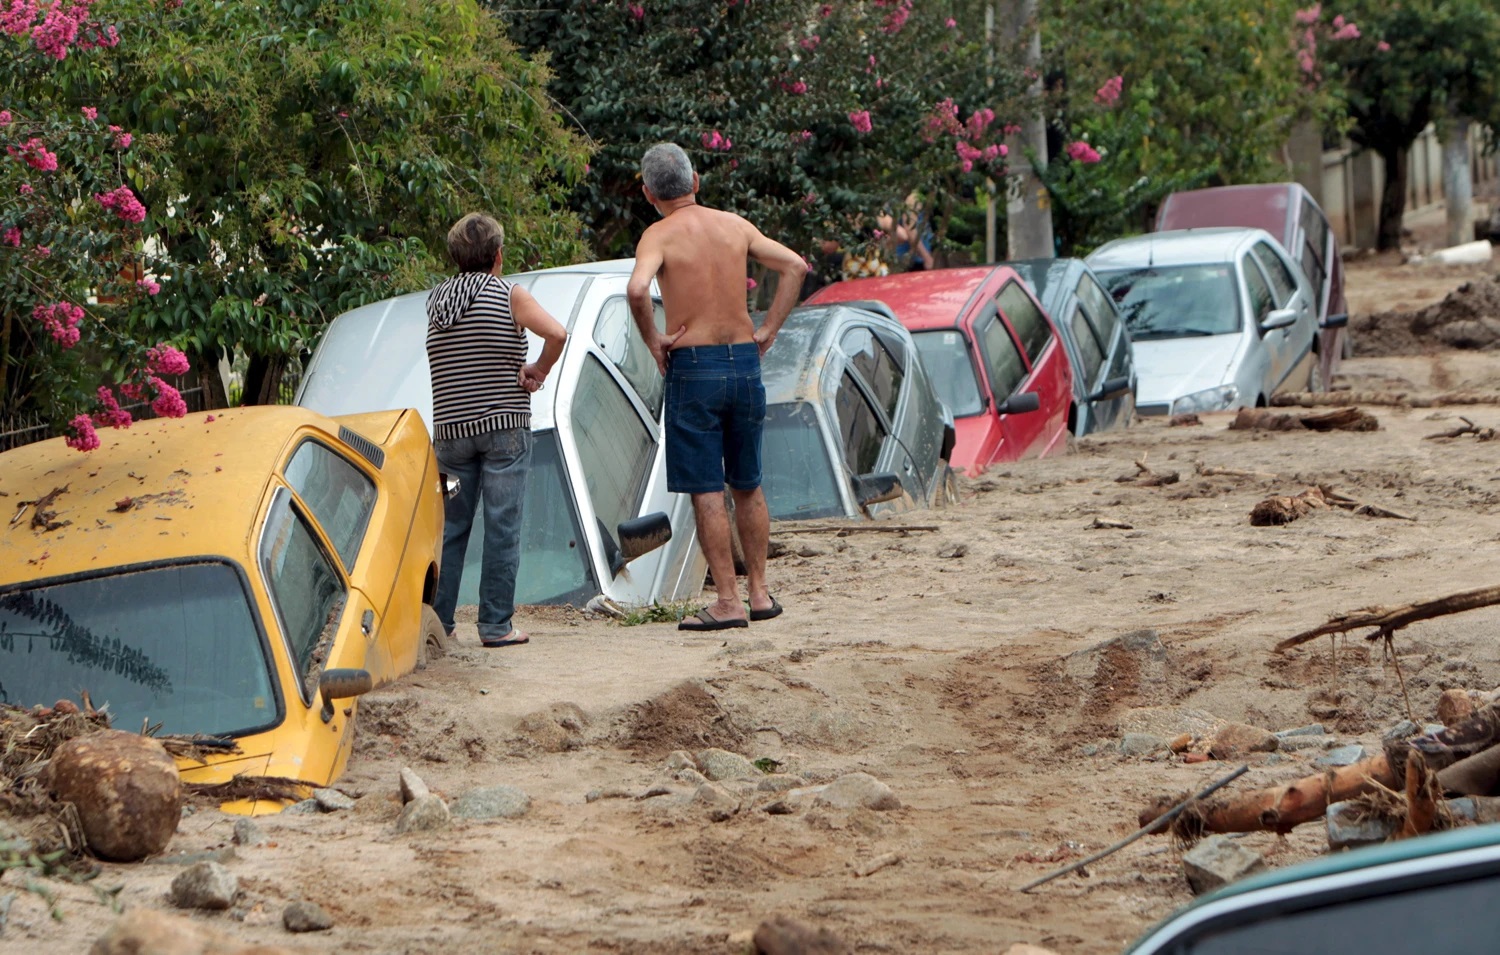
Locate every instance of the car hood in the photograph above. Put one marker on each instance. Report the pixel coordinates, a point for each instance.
(1169, 368)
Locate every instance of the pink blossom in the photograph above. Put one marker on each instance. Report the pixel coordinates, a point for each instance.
(209, 418)
(90, 112)
(967, 165)
(17, 20)
(1382, 46)
(166, 360)
(1310, 16)
(749, 284)
(26, 189)
(122, 138)
(133, 391)
(1081, 152)
(84, 437)
(42, 251)
(11, 236)
(992, 151)
(61, 320)
(825, 11)
(112, 415)
(1010, 129)
(59, 27)
(796, 89)
(148, 286)
(805, 135)
(980, 121)
(35, 154)
(896, 19)
(1109, 93)
(860, 120)
(5, 118)
(966, 152)
(168, 403)
(810, 43)
(1346, 32)
(637, 12)
(124, 203)
(951, 23)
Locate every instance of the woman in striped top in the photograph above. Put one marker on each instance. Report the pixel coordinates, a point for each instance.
(481, 428)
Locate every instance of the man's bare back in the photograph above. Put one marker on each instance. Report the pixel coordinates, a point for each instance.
(702, 275)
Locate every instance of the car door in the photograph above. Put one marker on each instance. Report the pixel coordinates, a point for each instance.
(866, 440)
(874, 363)
(1048, 374)
(1274, 346)
(1292, 290)
(1005, 370)
(1105, 318)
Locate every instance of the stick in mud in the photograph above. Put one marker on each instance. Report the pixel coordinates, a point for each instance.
(1390, 619)
(1150, 827)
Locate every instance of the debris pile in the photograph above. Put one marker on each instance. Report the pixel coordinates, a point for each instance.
(1468, 318)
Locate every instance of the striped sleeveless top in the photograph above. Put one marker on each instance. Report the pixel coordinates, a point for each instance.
(475, 350)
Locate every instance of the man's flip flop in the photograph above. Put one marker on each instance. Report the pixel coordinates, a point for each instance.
(514, 639)
(772, 611)
(703, 620)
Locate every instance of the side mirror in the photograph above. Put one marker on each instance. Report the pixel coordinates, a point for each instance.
(342, 684)
(644, 534)
(877, 486)
(1281, 318)
(1112, 388)
(1019, 403)
(1336, 321)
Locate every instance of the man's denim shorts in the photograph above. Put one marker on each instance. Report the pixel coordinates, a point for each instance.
(716, 409)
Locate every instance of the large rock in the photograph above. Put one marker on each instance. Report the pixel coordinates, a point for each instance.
(720, 764)
(412, 786)
(247, 832)
(1235, 740)
(423, 814)
(126, 789)
(331, 800)
(491, 802)
(205, 885)
(306, 917)
(149, 932)
(858, 791)
(1218, 861)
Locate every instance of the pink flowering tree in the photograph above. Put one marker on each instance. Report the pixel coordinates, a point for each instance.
(72, 263)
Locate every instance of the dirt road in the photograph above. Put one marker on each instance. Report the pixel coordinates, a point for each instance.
(937, 662)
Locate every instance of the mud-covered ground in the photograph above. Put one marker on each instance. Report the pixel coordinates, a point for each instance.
(936, 661)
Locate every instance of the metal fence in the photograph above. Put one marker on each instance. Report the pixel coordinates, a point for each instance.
(25, 429)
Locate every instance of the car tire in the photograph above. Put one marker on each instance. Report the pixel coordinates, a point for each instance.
(947, 489)
(435, 641)
(1315, 382)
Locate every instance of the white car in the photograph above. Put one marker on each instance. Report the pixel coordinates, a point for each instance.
(598, 517)
(1218, 318)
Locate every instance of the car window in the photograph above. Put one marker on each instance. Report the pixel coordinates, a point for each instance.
(1002, 360)
(1101, 309)
(1261, 300)
(860, 430)
(1176, 301)
(876, 365)
(1282, 282)
(305, 588)
(946, 358)
(1090, 354)
(175, 644)
(616, 335)
(554, 557)
(1314, 243)
(614, 447)
(1026, 318)
(799, 481)
(339, 495)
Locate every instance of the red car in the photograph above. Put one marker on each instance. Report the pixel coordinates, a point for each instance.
(991, 352)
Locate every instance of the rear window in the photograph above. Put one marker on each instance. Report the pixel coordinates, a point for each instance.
(877, 366)
(1026, 318)
(946, 358)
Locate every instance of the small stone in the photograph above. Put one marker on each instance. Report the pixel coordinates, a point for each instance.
(1181, 743)
(331, 800)
(1089, 749)
(808, 550)
(412, 786)
(1341, 756)
(1234, 740)
(1430, 728)
(1218, 861)
(1141, 744)
(781, 806)
(1402, 730)
(953, 551)
(690, 777)
(613, 792)
(1311, 729)
(858, 791)
(779, 782)
(307, 807)
(306, 917)
(720, 802)
(719, 764)
(492, 802)
(681, 759)
(226, 854)
(205, 885)
(1348, 830)
(422, 814)
(1454, 706)
(249, 833)
(1291, 743)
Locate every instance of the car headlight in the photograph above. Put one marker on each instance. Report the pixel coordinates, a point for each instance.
(1212, 399)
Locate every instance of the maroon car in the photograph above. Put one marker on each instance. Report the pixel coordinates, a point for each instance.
(1288, 212)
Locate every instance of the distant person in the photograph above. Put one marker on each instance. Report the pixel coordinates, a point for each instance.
(910, 235)
(826, 269)
(481, 416)
(716, 404)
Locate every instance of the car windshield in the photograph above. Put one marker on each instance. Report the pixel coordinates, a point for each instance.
(946, 358)
(1177, 301)
(798, 478)
(555, 566)
(176, 645)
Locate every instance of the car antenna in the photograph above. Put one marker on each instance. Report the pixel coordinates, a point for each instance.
(1150, 254)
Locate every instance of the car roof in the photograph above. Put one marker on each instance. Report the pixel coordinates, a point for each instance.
(194, 486)
(1385, 854)
(929, 299)
(1177, 247)
(790, 370)
(1048, 278)
(1274, 206)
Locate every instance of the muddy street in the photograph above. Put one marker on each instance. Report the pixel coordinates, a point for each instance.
(977, 670)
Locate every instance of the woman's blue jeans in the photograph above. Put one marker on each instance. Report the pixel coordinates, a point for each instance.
(492, 468)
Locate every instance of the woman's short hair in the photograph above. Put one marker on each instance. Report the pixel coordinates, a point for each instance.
(474, 241)
(667, 171)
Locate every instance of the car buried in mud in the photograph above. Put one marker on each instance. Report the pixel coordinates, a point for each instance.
(243, 575)
(598, 519)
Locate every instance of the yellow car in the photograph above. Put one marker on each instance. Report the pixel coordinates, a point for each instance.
(243, 574)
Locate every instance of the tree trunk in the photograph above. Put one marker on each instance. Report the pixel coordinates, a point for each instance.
(263, 380)
(205, 368)
(1458, 180)
(1028, 211)
(1392, 198)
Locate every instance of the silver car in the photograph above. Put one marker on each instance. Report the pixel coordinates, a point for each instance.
(598, 516)
(1218, 318)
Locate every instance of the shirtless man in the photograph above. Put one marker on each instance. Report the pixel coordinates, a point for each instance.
(716, 405)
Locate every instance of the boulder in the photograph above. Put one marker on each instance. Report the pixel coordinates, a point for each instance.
(149, 932)
(858, 791)
(423, 814)
(331, 800)
(306, 917)
(492, 802)
(1235, 740)
(125, 788)
(1218, 861)
(412, 786)
(720, 764)
(205, 885)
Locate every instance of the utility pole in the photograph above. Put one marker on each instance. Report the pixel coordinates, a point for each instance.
(1028, 210)
(989, 184)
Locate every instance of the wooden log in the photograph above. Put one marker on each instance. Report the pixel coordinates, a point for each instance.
(1478, 775)
(1390, 619)
(1281, 808)
(1422, 797)
(853, 528)
(1344, 419)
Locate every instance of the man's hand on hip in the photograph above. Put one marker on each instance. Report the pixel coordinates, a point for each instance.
(764, 339)
(660, 344)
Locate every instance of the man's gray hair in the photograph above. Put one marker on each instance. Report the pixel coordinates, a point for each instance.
(667, 171)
